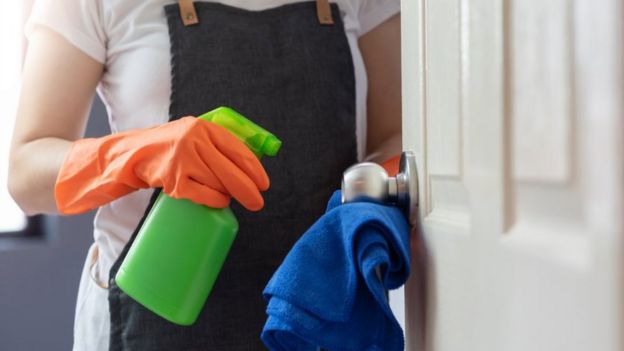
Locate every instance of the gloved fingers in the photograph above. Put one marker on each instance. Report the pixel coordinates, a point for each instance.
(205, 176)
(238, 183)
(240, 186)
(237, 152)
(244, 191)
(392, 165)
(200, 194)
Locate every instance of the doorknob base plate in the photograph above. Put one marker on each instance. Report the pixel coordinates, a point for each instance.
(407, 185)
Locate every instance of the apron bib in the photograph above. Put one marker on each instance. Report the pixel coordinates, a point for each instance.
(294, 77)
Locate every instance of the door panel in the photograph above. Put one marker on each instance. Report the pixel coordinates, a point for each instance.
(513, 109)
(541, 85)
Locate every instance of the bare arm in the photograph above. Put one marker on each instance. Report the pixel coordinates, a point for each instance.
(58, 86)
(381, 49)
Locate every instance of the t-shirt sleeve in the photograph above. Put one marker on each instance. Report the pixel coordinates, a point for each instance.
(78, 21)
(372, 13)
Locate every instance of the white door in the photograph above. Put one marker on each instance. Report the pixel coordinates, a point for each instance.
(515, 111)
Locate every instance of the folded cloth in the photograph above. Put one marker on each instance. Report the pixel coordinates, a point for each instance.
(330, 291)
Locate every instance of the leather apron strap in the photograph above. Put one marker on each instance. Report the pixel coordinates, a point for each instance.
(189, 15)
(283, 70)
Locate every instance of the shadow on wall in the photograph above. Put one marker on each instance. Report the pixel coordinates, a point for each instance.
(39, 277)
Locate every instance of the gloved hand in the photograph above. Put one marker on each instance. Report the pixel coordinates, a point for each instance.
(189, 158)
(392, 165)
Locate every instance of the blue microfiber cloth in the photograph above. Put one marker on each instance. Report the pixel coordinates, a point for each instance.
(328, 293)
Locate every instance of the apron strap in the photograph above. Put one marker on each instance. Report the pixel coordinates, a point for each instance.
(189, 15)
(323, 12)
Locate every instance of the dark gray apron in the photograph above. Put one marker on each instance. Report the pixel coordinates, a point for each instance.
(294, 77)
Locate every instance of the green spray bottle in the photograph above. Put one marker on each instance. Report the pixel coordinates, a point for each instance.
(178, 253)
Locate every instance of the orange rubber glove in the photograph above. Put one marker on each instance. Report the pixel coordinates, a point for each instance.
(392, 165)
(189, 158)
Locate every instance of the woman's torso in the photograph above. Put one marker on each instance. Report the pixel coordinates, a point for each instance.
(136, 88)
(131, 38)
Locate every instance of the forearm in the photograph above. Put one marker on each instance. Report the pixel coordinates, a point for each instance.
(381, 52)
(58, 84)
(33, 169)
(388, 148)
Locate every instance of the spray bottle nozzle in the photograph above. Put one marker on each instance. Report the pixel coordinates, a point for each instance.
(260, 141)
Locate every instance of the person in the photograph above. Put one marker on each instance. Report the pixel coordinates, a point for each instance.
(323, 77)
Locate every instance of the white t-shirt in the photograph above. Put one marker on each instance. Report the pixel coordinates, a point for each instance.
(130, 37)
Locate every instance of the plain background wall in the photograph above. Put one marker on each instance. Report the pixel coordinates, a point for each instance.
(39, 277)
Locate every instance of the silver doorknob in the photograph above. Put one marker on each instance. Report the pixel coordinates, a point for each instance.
(369, 181)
